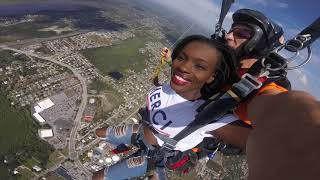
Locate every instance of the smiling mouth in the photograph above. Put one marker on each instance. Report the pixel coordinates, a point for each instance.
(179, 80)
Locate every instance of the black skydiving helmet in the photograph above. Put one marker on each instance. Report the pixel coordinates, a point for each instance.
(266, 32)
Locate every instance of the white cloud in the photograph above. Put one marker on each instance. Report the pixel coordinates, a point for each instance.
(278, 22)
(282, 5)
(272, 3)
(291, 31)
(299, 75)
(302, 79)
(204, 12)
(315, 59)
(261, 2)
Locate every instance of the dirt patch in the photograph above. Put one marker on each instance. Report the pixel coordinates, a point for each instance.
(56, 29)
(107, 101)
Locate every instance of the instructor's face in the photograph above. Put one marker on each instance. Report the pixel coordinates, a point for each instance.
(238, 36)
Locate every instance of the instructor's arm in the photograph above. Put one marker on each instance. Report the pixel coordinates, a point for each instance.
(285, 140)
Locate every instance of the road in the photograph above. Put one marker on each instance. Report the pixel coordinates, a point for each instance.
(72, 142)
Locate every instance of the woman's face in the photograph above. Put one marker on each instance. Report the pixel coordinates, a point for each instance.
(193, 67)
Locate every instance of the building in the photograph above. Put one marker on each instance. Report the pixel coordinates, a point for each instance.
(39, 118)
(45, 133)
(89, 111)
(135, 120)
(36, 168)
(44, 104)
(41, 106)
(88, 118)
(92, 100)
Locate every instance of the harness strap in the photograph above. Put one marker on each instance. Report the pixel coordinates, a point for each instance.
(305, 38)
(143, 140)
(225, 6)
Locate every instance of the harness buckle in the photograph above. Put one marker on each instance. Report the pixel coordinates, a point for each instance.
(247, 84)
(168, 146)
(150, 153)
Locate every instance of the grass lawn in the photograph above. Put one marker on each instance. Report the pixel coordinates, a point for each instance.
(99, 85)
(25, 174)
(111, 98)
(31, 162)
(54, 157)
(118, 57)
(65, 152)
(54, 177)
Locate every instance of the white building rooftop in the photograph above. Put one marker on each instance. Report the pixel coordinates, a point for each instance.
(44, 133)
(45, 104)
(135, 120)
(37, 109)
(36, 168)
(39, 118)
(92, 100)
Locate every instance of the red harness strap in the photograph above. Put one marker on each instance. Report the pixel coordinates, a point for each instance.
(180, 163)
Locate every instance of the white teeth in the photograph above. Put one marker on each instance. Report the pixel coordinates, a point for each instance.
(180, 78)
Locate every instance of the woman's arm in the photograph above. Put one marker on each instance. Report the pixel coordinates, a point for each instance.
(237, 132)
(284, 142)
(234, 133)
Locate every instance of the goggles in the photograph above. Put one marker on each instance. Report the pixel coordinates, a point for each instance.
(241, 33)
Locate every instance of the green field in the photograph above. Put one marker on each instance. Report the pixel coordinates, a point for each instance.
(118, 57)
(54, 158)
(24, 174)
(99, 86)
(18, 138)
(24, 31)
(111, 94)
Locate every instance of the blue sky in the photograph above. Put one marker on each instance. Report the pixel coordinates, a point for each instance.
(292, 15)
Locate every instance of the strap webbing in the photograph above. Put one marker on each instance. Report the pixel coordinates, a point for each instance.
(225, 6)
(306, 36)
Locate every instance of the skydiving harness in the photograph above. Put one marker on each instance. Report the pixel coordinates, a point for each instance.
(274, 66)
